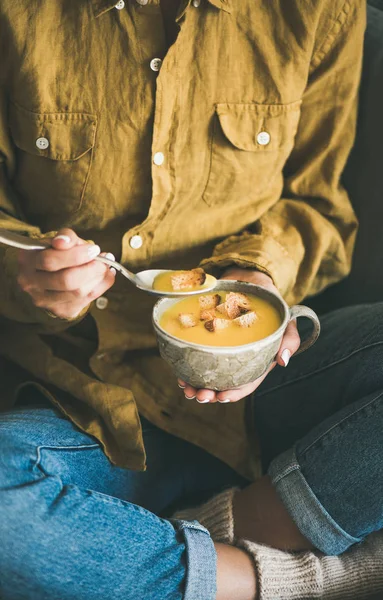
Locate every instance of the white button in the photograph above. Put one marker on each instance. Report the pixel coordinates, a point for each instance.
(102, 303)
(42, 143)
(142, 2)
(158, 159)
(136, 242)
(196, 3)
(263, 138)
(155, 64)
(120, 5)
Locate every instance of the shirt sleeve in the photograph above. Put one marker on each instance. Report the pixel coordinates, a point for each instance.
(305, 241)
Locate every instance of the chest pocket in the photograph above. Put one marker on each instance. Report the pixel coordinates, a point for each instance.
(249, 147)
(53, 161)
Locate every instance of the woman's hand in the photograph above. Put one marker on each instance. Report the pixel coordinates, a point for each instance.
(65, 278)
(289, 345)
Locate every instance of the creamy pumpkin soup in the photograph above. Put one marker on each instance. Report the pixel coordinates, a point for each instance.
(182, 281)
(221, 319)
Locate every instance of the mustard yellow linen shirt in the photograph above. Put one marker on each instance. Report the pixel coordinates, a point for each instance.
(227, 148)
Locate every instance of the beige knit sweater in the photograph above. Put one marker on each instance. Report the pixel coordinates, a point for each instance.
(357, 574)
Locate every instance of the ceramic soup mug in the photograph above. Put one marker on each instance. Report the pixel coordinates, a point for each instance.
(229, 367)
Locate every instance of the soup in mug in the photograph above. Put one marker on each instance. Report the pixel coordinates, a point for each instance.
(221, 319)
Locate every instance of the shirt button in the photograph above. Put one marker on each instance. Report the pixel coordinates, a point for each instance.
(42, 143)
(196, 3)
(120, 5)
(142, 2)
(136, 242)
(155, 64)
(263, 138)
(158, 159)
(102, 303)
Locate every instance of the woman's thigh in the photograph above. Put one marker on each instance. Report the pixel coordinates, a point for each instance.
(343, 367)
(40, 440)
(67, 531)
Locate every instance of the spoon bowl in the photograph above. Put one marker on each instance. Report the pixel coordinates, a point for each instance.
(142, 280)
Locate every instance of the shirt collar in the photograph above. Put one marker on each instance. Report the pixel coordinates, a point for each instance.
(102, 6)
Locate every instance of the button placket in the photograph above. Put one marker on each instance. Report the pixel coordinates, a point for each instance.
(161, 73)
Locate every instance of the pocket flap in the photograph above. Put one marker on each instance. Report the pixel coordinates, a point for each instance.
(259, 127)
(58, 136)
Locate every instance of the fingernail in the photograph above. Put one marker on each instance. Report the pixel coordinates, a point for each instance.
(94, 251)
(64, 238)
(224, 401)
(113, 271)
(203, 401)
(189, 397)
(285, 356)
(110, 256)
(181, 386)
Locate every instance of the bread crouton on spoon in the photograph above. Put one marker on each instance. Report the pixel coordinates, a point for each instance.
(188, 279)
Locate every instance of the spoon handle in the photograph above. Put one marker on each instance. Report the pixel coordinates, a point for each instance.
(25, 243)
(21, 241)
(113, 263)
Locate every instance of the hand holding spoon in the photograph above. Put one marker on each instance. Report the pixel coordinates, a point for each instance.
(142, 280)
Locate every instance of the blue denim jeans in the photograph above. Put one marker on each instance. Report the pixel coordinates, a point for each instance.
(73, 526)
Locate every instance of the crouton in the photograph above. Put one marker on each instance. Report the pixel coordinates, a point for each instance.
(236, 304)
(187, 320)
(209, 302)
(188, 279)
(207, 315)
(216, 324)
(222, 308)
(246, 320)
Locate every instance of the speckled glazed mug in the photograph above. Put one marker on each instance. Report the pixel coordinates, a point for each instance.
(229, 367)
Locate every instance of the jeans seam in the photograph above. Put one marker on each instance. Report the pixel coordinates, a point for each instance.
(323, 434)
(294, 467)
(38, 464)
(318, 370)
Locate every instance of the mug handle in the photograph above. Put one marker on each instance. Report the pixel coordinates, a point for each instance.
(304, 311)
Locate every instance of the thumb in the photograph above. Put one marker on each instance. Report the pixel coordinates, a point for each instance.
(65, 239)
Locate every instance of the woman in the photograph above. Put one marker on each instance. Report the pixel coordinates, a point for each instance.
(210, 132)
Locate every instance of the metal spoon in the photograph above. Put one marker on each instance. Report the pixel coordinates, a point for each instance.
(143, 280)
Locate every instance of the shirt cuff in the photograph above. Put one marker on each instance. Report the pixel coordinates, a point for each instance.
(250, 251)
